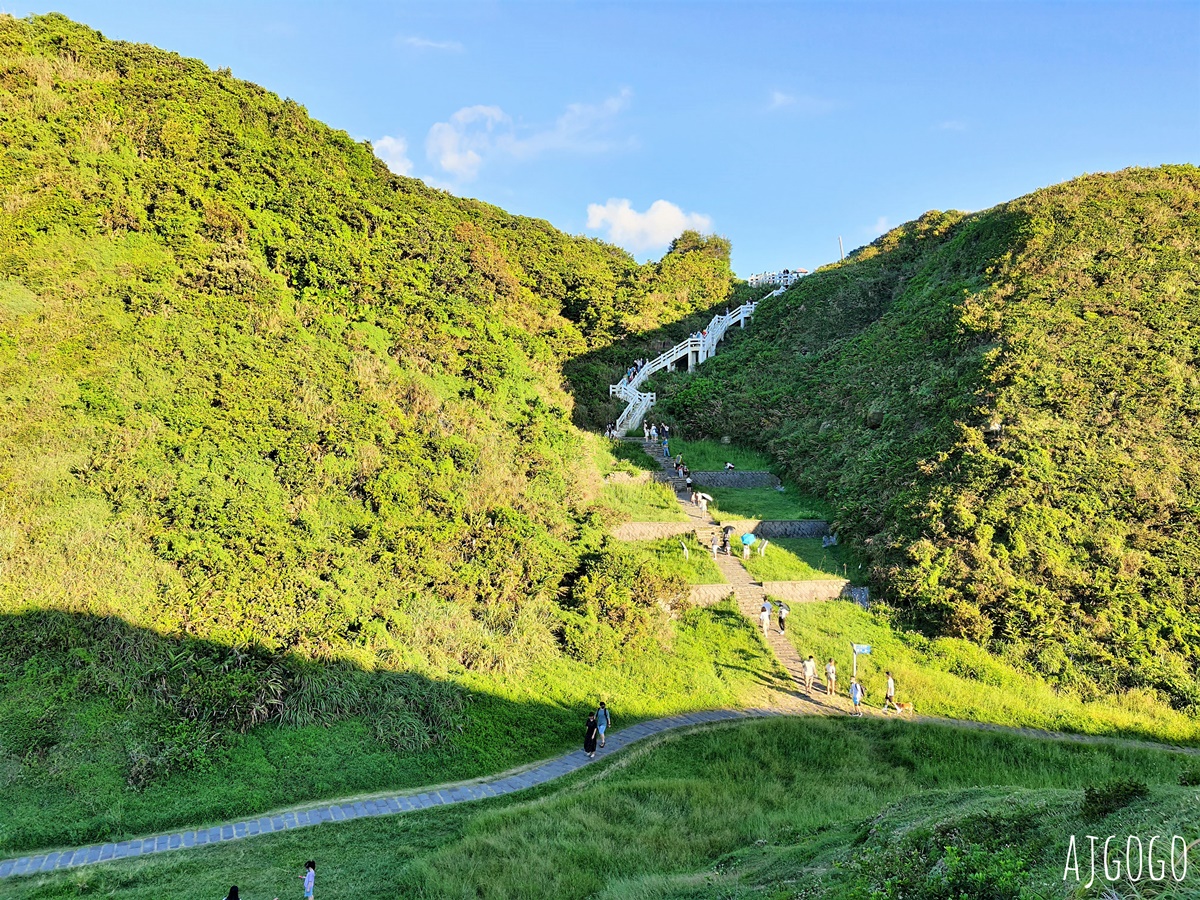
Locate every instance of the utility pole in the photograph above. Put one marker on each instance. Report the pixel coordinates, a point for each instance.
(841, 252)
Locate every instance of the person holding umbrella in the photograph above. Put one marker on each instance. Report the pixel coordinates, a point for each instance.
(748, 540)
(703, 499)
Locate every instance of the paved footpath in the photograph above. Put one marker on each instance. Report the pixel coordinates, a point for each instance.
(749, 595)
(376, 805)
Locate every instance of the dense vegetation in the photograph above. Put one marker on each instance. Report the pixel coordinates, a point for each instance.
(284, 438)
(811, 808)
(1002, 409)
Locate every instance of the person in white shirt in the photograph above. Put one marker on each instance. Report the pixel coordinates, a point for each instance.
(831, 678)
(889, 696)
(810, 674)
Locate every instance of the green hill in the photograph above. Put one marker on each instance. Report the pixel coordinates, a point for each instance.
(285, 441)
(1002, 408)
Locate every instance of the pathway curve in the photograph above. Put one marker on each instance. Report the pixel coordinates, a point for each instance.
(370, 805)
(749, 595)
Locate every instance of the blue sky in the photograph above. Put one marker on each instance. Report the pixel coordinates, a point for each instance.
(779, 125)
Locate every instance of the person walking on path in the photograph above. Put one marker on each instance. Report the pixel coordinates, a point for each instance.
(764, 616)
(603, 720)
(654, 432)
(590, 732)
(666, 449)
(810, 674)
(310, 877)
(645, 431)
(889, 696)
(783, 614)
(857, 695)
(831, 678)
(714, 544)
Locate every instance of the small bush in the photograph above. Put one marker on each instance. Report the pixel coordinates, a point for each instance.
(1190, 778)
(1102, 801)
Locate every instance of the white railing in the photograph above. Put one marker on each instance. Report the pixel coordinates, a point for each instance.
(695, 350)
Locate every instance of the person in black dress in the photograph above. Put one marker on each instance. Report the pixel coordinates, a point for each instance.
(589, 736)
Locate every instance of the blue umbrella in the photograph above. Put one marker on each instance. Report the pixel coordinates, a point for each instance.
(748, 539)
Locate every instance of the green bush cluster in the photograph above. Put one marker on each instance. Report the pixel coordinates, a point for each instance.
(1001, 408)
(265, 399)
(622, 601)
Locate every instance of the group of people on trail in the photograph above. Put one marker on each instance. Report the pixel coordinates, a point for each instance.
(858, 693)
(309, 878)
(594, 729)
(610, 431)
(652, 432)
(631, 372)
(764, 616)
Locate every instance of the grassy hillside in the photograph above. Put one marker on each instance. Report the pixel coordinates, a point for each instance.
(835, 807)
(284, 439)
(1002, 409)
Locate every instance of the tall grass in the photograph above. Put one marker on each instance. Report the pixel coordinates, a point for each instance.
(956, 678)
(713, 659)
(801, 559)
(732, 504)
(643, 501)
(696, 566)
(692, 806)
(711, 456)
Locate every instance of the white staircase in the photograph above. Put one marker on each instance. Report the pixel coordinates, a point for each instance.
(694, 350)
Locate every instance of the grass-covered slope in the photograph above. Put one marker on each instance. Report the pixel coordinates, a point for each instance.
(760, 809)
(1002, 408)
(265, 406)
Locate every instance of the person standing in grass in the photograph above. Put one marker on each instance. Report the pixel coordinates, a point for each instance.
(590, 732)
(857, 695)
(603, 720)
(783, 614)
(810, 674)
(889, 696)
(310, 877)
(233, 894)
(831, 678)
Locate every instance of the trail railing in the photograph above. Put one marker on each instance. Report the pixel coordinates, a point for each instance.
(695, 350)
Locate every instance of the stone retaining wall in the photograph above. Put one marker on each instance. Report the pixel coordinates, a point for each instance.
(735, 479)
(651, 531)
(806, 591)
(708, 594)
(800, 528)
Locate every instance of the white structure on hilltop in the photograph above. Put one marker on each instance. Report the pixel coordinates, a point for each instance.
(786, 278)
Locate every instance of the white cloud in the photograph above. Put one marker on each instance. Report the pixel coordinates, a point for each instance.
(461, 145)
(806, 104)
(421, 43)
(881, 226)
(394, 152)
(640, 231)
(458, 145)
(779, 100)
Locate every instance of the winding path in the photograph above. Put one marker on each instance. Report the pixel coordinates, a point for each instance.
(368, 805)
(749, 596)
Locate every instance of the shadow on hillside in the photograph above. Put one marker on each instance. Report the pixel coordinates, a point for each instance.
(109, 730)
